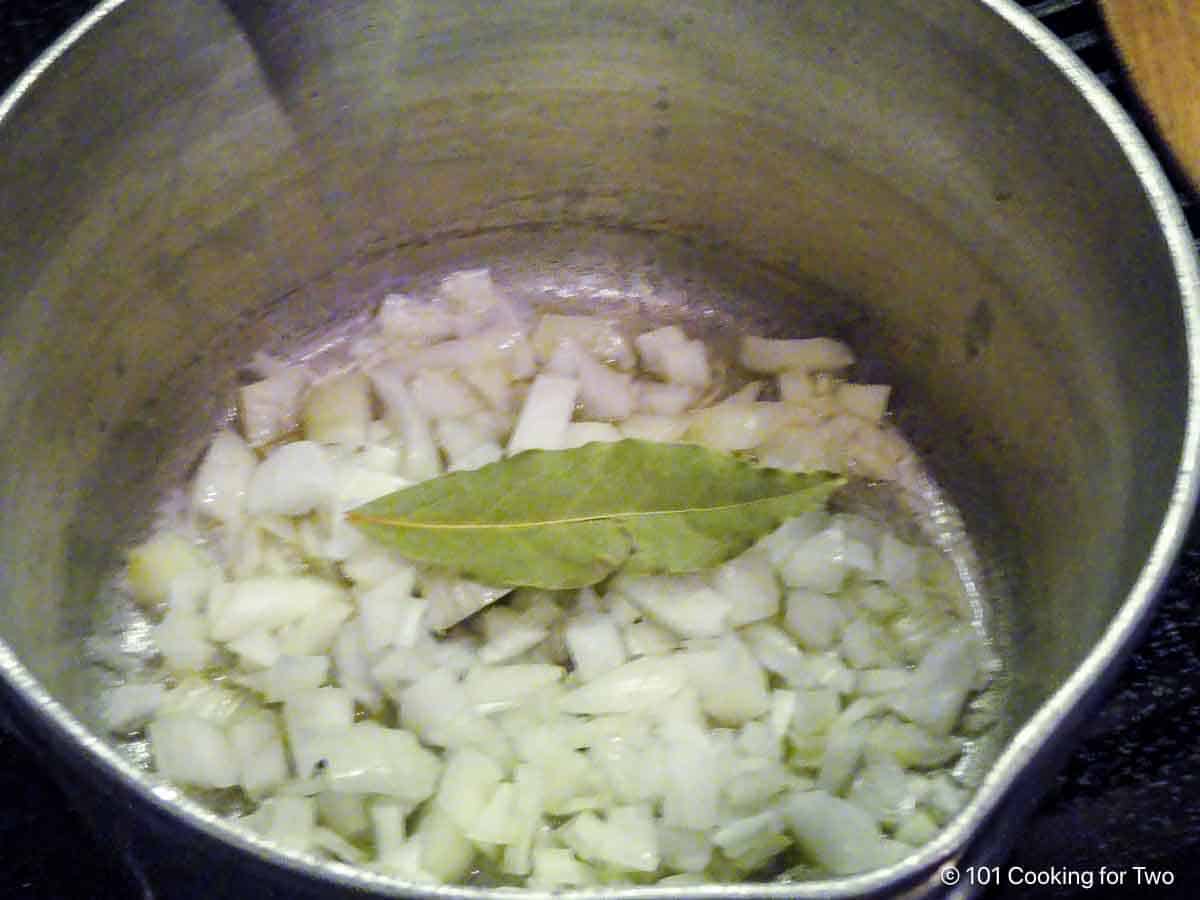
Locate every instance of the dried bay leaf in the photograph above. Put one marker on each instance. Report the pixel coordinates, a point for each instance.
(568, 518)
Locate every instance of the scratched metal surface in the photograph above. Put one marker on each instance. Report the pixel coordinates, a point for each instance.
(1129, 797)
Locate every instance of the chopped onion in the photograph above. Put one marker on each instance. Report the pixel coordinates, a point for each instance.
(805, 702)
(219, 485)
(192, 750)
(807, 355)
(270, 408)
(543, 420)
(294, 479)
(338, 410)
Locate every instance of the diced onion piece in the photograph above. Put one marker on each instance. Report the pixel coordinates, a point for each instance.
(129, 706)
(181, 638)
(494, 823)
(877, 599)
(867, 401)
(627, 840)
(373, 564)
(446, 852)
(910, 745)
(747, 393)
(313, 720)
(845, 743)
(780, 543)
(595, 645)
(267, 601)
(819, 563)
(387, 825)
(837, 835)
(648, 639)
(290, 675)
(564, 360)
(815, 712)
(603, 392)
(783, 710)
(647, 427)
(916, 828)
(732, 685)
(453, 599)
(219, 485)
(294, 479)
(743, 426)
(478, 303)
(439, 393)
(358, 484)
(865, 645)
(548, 407)
(258, 747)
(467, 445)
(885, 790)
(197, 697)
(807, 355)
(946, 797)
(402, 318)
(580, 433)
(602, 338)
(513, 642)
(801, 388)
(898, 562)
(684, 848)
(333, 844)
(347, 814)
(315, 632)
(497, 347)
(777, 653)
(638, 686)
(256, 649)
(685, 604)
(558, 867)
(527, 821)
(353, 665)
(750, 585)
(192, 750)
(401, 412)
(815, 619)
(155, 564)
(884, 681)
(493, 381)
(490, 688)
(390, 613)
(801, 449)
(692, 780)
(270, 409)
(941, 683)
(468, 782)
(738, 837)
(432, 704)
(338, 410)
(289, 821)
(668, 353)
(370, 759)
(659, 399)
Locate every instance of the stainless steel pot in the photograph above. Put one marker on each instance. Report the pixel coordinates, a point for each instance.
(939, 181)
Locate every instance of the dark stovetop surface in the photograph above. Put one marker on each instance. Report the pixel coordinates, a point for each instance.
(1129, 797)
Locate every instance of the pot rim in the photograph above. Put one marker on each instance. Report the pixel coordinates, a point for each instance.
(1053, 720)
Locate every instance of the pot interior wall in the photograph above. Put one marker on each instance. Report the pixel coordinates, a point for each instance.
(188, 185)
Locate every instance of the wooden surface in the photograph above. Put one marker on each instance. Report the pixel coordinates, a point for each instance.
(1160, 43)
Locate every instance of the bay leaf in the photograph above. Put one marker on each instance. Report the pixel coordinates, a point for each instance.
(568, 518)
